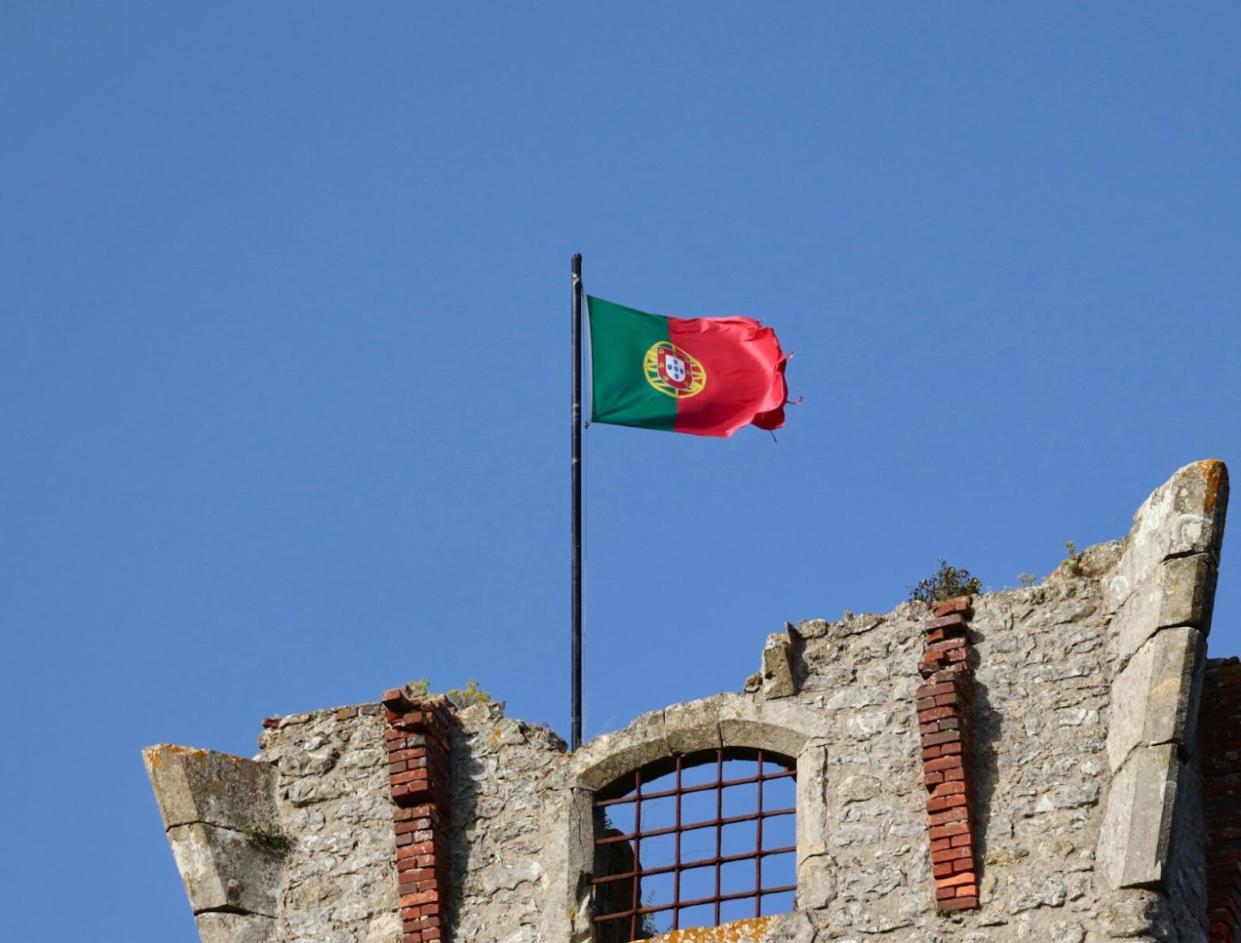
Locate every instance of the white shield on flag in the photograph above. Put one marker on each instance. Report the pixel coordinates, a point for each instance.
(674, 366)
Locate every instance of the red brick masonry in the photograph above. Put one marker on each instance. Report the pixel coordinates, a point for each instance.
(1219, 744)
(944, 707)
(418, 740)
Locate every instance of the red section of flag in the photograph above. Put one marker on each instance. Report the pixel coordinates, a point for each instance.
(745, 375)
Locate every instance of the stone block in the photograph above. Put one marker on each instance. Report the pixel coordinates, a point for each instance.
(813, 823)
(816, 882)
(693, 725)
(1155, 694)
(612, 755)
(782, 726)
(221, 869)
(1177, 592)
(1137, 825)
(235, 928)
(204, 786)
(567, 828)
(1183, 516)
(779, 677)
(1129, 914)
(795, 927)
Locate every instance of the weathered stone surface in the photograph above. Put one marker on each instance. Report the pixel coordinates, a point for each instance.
(1133, 840)
(1129, 913)
(816, 882)
(333, 794)
(782, 726)
(567, 829)
(504, 860)
(693, 725)
(1161, 592)
(1186, 873)
(1153, 696)
(1177, 592)
(1057, 706)
(234, 928)
(207, 800)
(1183, 516)
(1067, 931)
(794, 927)
(782, 928)
(859, 788)
(611, 755)
(204, 786)
(813, 824)
(222, 869)
(779, 679)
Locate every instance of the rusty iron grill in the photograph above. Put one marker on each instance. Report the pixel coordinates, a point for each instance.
(622, 910)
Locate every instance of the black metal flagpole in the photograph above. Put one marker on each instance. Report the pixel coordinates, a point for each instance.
(576, 464)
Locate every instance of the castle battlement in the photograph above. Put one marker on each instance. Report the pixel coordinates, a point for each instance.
(1058, 762)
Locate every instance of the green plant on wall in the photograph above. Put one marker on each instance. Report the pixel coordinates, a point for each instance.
(457, 697)
(267, 837)
(649, 927)
(1072, 563)
(947, 581)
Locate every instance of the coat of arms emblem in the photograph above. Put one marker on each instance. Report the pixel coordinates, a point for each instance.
(673, 371)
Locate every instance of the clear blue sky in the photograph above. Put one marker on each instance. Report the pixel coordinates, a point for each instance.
(283, 353)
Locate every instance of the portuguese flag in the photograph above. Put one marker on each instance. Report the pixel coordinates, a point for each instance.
(704, 376)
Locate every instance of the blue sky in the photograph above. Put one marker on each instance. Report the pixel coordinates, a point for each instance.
(283, 350)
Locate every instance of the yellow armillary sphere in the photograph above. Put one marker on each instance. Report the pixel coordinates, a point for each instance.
(674, 371)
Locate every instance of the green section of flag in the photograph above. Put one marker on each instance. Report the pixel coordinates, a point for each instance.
(619, 340)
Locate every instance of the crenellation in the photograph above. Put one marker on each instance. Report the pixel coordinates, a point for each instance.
(1047, 738)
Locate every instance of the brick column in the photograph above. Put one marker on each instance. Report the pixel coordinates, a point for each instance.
(419, 737)
(1219, 745)
(944, 706)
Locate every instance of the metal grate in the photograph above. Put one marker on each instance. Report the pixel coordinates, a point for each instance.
(698, 816)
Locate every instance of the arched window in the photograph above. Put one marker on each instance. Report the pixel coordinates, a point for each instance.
(694, 840)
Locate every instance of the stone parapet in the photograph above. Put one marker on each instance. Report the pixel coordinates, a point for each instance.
(1050, 750)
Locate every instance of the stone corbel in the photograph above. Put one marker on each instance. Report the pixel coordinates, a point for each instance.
(220, 815)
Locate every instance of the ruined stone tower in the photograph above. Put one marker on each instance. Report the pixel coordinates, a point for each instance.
(1053, 763)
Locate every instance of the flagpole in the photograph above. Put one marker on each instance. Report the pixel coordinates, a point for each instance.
(576, 470)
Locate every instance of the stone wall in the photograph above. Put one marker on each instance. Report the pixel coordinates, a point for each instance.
(1041, 700)
(339, 876)
(500, 768)
(1085, 800)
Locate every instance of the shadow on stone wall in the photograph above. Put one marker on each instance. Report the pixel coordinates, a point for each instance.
(988, 731)
(467, 770)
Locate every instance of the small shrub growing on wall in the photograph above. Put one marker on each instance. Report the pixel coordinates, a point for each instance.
(470, 694)
(1072, 563)
(948, 581)
(457, 697)
(267, 837)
